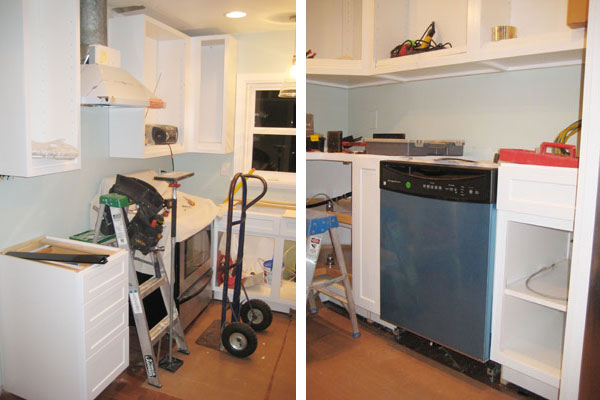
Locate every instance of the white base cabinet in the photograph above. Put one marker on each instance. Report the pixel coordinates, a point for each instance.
(270, 235)
(64, 332)
(534, 230)
(365, 223)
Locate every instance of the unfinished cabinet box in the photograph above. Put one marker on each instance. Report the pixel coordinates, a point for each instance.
(577, 13)
(63, 327)
(195, 76)
(40, 87)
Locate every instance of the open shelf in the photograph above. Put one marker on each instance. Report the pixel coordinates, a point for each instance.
(552, 283)
(532, 339)
(157, 56)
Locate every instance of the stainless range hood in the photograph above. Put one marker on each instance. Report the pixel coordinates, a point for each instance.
(103, 85)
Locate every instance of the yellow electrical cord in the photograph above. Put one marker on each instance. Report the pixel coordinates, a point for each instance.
(566, 134)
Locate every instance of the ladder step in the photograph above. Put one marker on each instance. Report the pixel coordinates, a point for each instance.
(162, 327)
(321, 283)
(341, 299)
(150, 286)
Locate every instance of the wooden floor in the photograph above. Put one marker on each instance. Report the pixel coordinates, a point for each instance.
(375, 366)
(270, 373)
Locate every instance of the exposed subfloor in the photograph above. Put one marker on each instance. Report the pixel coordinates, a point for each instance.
(269, 373)
(376, 366)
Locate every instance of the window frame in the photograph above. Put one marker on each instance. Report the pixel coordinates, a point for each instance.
(247, 85)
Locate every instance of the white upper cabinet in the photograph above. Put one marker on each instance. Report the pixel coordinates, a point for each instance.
(340, 32)
(157, 56)
(543, 38)
(40, 87)
(194, 76)
(213, 83)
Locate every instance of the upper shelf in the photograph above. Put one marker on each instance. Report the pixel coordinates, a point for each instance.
(543, 39)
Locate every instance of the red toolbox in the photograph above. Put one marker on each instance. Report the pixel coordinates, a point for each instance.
(542, 157)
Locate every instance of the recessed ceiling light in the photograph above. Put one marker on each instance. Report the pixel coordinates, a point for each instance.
(235, 14)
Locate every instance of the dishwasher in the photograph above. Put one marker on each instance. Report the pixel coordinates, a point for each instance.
(437, 251)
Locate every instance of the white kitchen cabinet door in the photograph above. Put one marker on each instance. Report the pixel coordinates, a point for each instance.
(213, 82)
(365, 234)
(40, 87)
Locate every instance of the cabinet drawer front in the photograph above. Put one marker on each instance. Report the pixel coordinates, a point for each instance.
(106, 330)
(100, 277)
(538, 190)
(288, 228)
(97, 310)
(106, 364)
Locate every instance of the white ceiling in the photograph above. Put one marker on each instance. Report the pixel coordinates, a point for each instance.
(207, 17)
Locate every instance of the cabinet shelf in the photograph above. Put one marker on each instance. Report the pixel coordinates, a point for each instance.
(532, 340)
(553, 283)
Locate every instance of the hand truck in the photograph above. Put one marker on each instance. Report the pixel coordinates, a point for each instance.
(239, 336)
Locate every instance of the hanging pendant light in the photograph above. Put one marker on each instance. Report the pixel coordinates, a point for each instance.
(288, 87)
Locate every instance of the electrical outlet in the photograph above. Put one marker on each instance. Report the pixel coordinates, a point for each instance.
(225, 168)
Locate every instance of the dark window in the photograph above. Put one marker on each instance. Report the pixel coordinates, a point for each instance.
(274, 153)
(272, 111)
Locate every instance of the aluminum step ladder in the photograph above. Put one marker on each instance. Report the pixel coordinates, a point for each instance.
(147, 337)
(317, 223)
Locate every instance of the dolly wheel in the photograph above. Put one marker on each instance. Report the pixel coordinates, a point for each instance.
(259, 316)
(239, 339)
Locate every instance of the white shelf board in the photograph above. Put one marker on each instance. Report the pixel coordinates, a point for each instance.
(554, 283)
(332, 66)
(345, 81)
(288, 291)
(262, 290)
(501, 56)
(545, 366)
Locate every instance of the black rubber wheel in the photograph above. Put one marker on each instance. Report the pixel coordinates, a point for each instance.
(239, 339)
(259, 316)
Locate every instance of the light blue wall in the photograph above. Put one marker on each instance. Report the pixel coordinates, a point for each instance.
(504, 110)
(329, 106)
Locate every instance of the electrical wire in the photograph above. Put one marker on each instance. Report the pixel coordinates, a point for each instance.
(564, 135)
(329, 199)
(172, 160)
(543, 269)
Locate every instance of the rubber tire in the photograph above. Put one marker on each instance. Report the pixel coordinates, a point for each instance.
(239, 328)
(260, 307)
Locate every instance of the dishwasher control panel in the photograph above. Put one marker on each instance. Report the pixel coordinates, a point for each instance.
(440, 181)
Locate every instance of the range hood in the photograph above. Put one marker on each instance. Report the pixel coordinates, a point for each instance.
(104, 85)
